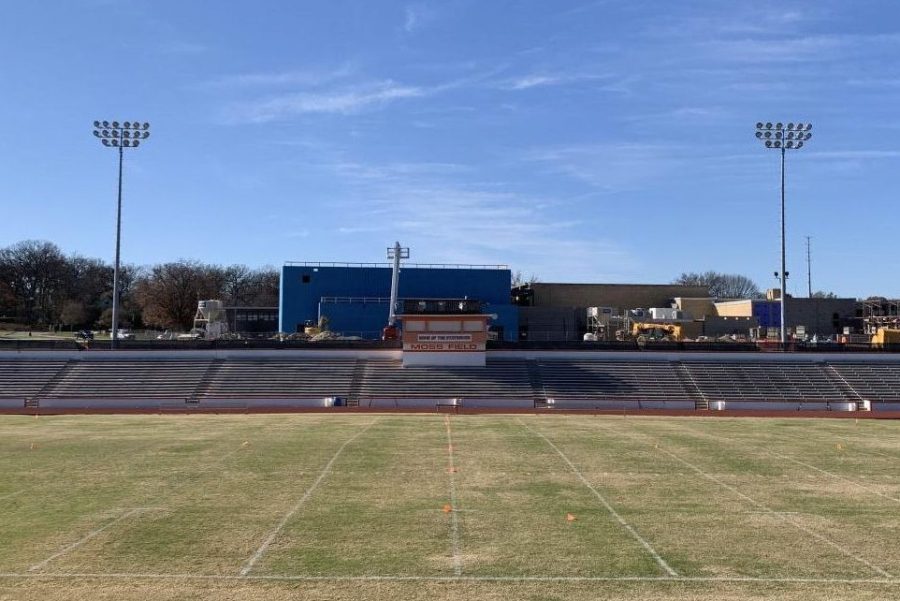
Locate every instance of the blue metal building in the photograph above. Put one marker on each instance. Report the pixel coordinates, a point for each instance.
(356, 297)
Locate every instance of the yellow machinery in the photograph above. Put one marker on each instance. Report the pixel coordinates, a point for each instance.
(883, 336)
(656, 331)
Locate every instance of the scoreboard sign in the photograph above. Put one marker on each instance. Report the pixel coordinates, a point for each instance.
(444, 339)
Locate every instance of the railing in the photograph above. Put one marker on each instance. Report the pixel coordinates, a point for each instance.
(354, 299)
(403, 265)
(369, 340)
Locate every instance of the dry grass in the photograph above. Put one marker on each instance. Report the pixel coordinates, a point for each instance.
(719, 500)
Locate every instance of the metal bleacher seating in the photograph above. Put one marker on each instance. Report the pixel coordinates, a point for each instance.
(279, 379)
(604, 381)
(876, 382)
(23, 379)
(123, 379)
(498, 380)
(761, 382)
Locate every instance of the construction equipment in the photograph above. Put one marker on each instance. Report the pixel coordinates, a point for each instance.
(650, 331)
(209, 321)
(886, 336)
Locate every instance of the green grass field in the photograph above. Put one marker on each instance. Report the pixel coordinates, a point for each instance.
(346, 506)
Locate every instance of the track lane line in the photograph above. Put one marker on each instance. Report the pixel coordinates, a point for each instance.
(454, 509)
(634, 533)
(780, 515)
(248, 565)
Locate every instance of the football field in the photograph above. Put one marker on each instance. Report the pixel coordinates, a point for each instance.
(368, 506)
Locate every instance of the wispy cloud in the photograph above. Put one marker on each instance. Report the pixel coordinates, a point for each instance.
(448, 215)
(293, 77)
(610, 167)
(343, 101)
(536, 80)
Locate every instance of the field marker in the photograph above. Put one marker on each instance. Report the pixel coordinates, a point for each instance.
(659, 560)
(248, 565)
(447, 579)
(766, 508)
(86, 538)
(454, 519)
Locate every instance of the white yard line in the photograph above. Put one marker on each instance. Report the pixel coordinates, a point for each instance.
(10, 495)
(659, 560)
(454, 518)
(739, 442)
(765, 508)
(837, 476)
(248, 565)
(85, 538)
(448, 579)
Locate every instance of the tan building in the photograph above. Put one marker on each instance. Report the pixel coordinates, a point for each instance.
(619, 296)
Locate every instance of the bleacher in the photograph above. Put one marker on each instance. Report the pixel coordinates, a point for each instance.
(765, 382)
(499, 380)
(619, 383)
(876, 382)
(22, 379)
(606, 383)
(279, 379)
(121, 379)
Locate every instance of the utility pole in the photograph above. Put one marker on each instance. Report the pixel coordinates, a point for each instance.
(808, 267)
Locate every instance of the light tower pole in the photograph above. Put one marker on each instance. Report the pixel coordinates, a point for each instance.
(120, 136)
(395, 253)
(783, 138)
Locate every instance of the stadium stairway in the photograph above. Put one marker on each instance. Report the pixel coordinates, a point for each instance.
(877, 383)
(687, 381)
(23, 381)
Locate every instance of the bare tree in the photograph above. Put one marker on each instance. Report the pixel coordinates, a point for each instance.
(169, 292)
(721, 285)
(35, 272)
(519, 279)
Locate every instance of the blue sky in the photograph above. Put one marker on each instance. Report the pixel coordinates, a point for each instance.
(577, 141)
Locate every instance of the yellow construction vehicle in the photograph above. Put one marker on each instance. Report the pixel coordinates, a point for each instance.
(883, 336)
(644, 331)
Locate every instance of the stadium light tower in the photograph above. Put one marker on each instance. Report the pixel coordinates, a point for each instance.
(113, 134)
(783, 137)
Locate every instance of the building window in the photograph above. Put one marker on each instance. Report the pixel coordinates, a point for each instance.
(444, 326)
(414, 325)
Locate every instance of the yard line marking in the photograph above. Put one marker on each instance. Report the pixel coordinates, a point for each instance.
(248, 565)
(454, 519)
(838, 476)
(766, 508)
(86, 538)
(740, 442)
(659, 560)
(10, 495)
(450, 579)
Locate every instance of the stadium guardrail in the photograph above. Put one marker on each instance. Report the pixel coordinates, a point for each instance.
(625, 346)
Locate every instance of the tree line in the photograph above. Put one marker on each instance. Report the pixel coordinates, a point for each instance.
(41, 286)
